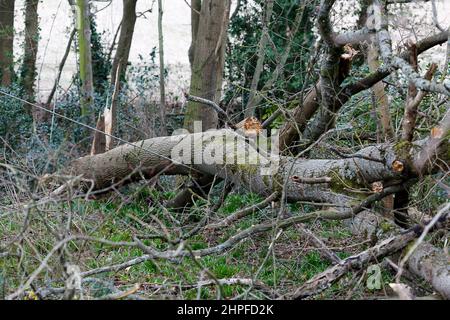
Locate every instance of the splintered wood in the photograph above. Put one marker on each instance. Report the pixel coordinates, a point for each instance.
(250, 127)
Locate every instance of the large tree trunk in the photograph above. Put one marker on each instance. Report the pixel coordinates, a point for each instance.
(6, 41)
(241, 163)
(196, 7)
(83, 16)
(208, 62)
(28, 71)
(229, 155)
(207, 57)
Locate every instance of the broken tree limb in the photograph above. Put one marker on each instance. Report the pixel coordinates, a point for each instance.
(436, 144)
(359, 261)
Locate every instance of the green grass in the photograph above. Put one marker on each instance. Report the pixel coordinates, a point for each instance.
(287, 267)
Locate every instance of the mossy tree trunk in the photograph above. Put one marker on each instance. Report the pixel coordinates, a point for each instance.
(6, 41)
(162, 87)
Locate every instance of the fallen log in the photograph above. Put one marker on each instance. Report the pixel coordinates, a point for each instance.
(227, 154)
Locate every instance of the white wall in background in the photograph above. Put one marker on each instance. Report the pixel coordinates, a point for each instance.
(56, 22)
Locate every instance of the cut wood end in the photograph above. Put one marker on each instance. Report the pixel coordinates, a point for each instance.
(377, 186)
(398, 166)
(349, 52)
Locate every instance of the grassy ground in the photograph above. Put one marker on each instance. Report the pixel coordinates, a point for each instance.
(290, 262)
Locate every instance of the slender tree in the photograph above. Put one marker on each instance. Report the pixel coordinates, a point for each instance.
(162, 87)
(196, 6)
(6, 41)
(250, 111)
(125, 39)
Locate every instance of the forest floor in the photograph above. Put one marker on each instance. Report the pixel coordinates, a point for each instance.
(276, 268)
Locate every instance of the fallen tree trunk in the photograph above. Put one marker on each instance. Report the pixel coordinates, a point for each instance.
(228, 155)
(426, 262)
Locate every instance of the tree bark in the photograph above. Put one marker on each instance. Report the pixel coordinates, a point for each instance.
(207, 57)
(380, 95)
(6, 41)
(196, 7)
(432, 264)
(412, 106)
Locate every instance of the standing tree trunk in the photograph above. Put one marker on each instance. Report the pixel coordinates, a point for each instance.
(107, 122)
(126, 37)
(28, 70)
(162, 87)
(208, 62)
(6, 41)
(85, 55)
(196, 6)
